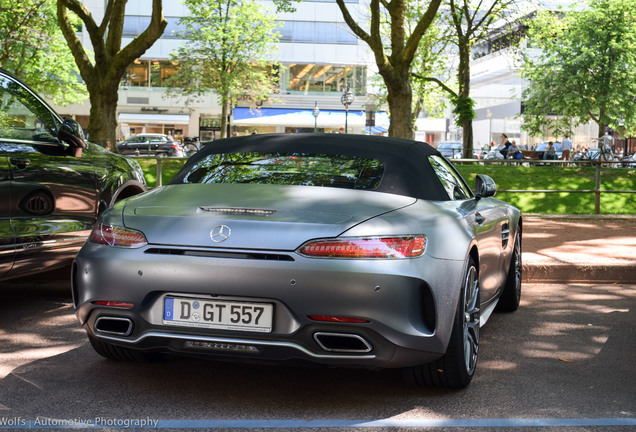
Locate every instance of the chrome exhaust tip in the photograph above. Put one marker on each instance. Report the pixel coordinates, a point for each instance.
(114, 326)
(342, 342)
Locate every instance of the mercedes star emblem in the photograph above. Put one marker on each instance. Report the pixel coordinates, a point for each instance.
(220, 233)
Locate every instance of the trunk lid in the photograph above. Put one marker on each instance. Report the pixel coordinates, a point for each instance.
(268, 217)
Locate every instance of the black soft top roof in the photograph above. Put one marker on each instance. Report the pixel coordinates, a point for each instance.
(408, 171)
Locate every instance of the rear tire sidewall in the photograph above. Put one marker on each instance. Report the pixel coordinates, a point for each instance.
(456, 368)
(511, 295)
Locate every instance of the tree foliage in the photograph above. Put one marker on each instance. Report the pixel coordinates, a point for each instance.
(470, 21)
(32, 47)
(395, 51)
(429, 60)
(584, 70)
(103, 68)
(230, 44)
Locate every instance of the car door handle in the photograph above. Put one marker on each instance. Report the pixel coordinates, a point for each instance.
(21, 163)
(479, 218)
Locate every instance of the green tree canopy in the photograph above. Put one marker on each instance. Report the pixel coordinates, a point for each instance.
(584, 69)
(103, 68)
(467, 22)
(429, 60)
(32, 47)
(394, 50)
(230, 44)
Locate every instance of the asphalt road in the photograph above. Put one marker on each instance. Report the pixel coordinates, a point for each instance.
(565, 361)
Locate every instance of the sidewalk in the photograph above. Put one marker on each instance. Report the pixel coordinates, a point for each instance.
(585, 248)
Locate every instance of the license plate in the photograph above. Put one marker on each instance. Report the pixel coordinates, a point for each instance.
(225, 315)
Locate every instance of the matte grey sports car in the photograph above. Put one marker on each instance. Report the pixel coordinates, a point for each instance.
(343, 250)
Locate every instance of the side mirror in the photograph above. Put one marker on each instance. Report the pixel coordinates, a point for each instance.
(72, 134)
(485, 186)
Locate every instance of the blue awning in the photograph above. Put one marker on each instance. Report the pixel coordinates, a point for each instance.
(376, 129)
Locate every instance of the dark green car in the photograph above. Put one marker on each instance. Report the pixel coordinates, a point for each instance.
(53, 184)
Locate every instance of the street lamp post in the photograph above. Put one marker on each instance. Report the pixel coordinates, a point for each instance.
(346, 99)
(316, 112)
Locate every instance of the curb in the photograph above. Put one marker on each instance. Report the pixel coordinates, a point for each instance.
(567, 273)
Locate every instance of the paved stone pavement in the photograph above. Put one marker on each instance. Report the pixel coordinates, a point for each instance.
(563, 249)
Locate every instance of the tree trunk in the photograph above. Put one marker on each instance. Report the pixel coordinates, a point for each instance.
(400, 97)
(225, 112)
(103, 115)
(103, 73)
(601, 125)
(467, 139)
(466, 117)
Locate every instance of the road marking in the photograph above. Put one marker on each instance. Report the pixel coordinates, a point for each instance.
(295, 424)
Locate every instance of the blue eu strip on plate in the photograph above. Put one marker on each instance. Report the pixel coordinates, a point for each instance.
(168, 307)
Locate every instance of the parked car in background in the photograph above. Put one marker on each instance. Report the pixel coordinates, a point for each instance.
(159, 145)
(628, 161)
(455, 150)
(53, 184)
(451, 149)
(342, 250)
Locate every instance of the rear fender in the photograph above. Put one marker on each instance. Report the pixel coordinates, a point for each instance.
(126, 190)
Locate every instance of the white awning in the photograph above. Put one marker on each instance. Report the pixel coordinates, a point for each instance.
(303, 118)
(176, 119)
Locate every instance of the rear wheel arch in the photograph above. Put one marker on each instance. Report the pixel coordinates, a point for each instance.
(126, 190)
(474, 254)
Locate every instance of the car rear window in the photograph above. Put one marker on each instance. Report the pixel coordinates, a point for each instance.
(303, 169)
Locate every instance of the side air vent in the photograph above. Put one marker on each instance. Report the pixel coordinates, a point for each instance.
(505, 235)
(218, 254)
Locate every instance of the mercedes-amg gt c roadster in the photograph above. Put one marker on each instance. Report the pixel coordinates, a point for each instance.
(342, 250)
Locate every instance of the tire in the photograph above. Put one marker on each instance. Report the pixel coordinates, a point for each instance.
(456, 368)
(511, 296)
(117, 353)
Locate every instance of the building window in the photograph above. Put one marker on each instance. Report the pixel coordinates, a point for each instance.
(309, 78)
(148, 73)
(134, 25)
(317, 32)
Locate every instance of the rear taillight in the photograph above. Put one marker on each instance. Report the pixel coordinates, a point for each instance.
(117, 236)
(361, 248)
(114, 304)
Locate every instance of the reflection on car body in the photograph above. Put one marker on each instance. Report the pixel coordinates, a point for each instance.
(344, 250)
(53, 184)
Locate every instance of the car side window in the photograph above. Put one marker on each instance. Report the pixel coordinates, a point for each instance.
(455, 186)
(23, 116)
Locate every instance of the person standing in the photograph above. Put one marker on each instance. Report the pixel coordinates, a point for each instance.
(566, 148)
